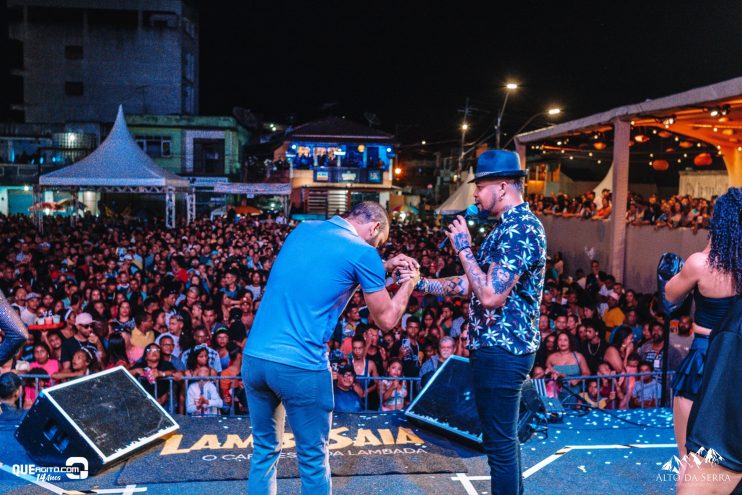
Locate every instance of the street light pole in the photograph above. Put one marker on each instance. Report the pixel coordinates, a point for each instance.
(498, 128)
(464, 128)
(551, 111)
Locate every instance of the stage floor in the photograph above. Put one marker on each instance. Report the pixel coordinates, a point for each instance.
(596, 453)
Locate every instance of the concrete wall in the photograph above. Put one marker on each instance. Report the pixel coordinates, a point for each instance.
(583, 240)
(139, 64)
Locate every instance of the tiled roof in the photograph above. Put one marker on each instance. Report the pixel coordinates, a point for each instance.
(338, 129)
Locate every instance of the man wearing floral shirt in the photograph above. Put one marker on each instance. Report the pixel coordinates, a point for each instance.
(505, 279)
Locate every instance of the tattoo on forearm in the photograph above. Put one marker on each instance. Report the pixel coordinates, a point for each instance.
(476, 276)
(501, 279)
(451, 286)
(460, 241)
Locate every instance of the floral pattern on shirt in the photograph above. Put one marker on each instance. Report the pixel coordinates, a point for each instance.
(517, 244)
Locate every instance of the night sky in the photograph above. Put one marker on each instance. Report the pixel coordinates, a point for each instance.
(413, 63)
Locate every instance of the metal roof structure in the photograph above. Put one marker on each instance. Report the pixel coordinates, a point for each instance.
(712, 114)
(338, 129)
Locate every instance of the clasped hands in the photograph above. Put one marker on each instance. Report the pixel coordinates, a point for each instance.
(403, 268)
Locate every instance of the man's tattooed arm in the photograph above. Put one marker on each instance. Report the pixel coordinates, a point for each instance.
(501, 280)
(492, 288)
(450, 286)
(477, 278)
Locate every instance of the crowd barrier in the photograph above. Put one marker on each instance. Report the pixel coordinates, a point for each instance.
(236, 404)
(568, 392)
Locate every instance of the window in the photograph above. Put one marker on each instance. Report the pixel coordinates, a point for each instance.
(155, 146)
(189, 28)
(372, 157)
(353, 156)
(73, 88)
(107, 19)
(304, 158)
(55, 15)
(73, 52)
(160, 20)
(208, 156)
(190, 67)
(189, 102)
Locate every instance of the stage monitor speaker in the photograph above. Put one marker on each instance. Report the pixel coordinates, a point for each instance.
(102, 418)
(447, 404)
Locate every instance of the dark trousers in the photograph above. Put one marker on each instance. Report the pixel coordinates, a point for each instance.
(498, 379)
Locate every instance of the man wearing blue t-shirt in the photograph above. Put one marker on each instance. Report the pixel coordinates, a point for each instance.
(286, 369)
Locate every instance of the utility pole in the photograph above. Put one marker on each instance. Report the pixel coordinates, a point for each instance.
(498, 128)
(464, 128)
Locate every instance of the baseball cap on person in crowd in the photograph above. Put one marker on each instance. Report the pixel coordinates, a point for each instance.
(84, 319)
(32, 295)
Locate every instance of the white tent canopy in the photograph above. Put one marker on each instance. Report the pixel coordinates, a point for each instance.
(117, 162)
(606, 183)
(460, 199)
(120, 165)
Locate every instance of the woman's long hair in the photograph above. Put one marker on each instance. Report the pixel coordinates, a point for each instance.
(193, 357)
(117, 349)
(725, 232)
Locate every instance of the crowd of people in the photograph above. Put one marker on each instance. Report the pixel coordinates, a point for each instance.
(671, 213)
(175, 308)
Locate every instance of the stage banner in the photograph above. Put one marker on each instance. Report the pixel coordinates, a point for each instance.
(254, 189)
(214, 449)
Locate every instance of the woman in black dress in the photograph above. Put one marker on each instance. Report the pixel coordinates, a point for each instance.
(715, 278)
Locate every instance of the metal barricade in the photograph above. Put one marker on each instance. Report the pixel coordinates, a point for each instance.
(571, 393)
(412, 387)
(36, 386)
(178, 387)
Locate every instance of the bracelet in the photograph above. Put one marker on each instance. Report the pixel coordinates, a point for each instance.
(422, 285)
(468, 246)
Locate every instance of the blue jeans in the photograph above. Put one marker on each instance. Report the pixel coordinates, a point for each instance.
(275, 391)
(498, 377)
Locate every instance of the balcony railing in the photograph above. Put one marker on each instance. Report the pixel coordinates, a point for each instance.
(348, 175)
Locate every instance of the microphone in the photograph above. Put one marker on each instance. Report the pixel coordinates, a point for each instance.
(469, 212)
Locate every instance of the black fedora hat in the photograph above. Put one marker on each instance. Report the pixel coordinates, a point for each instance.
(498, 164)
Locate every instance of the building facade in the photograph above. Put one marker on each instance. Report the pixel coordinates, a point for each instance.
(80, 59)
(28, 150)
(191, 146)
(334, 163)
(207, 150)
